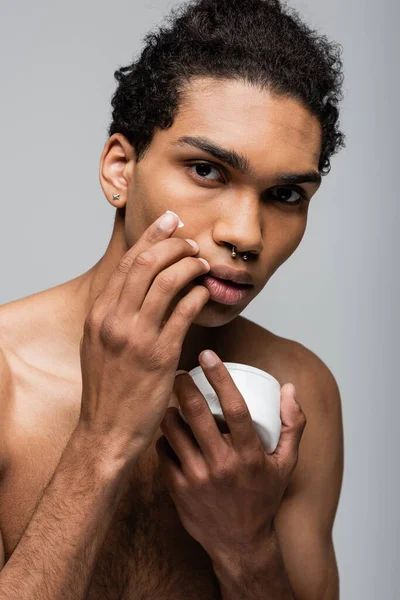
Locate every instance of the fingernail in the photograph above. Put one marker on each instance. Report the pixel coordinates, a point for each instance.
(179, 372)
(192, 243)
(208, 358)
(180, 224)
(293, 393)
(205, 262)
(167, 222)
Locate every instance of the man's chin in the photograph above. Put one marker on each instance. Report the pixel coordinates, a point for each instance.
(214, 314)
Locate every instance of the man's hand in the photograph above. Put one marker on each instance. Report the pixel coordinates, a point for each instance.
(131, 344)
(225, 487)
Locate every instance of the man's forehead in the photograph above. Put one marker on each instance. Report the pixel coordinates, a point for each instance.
(241, 112)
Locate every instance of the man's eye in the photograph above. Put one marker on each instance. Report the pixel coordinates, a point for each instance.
(203, 170)
(288, 195)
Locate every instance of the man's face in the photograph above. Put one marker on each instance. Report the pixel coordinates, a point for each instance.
(220, 205)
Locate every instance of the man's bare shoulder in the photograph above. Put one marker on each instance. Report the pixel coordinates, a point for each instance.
(13, 328)
(22, 320)
(314, 380)
(321, 453)
(290, 361)
(40, 386)
(34, 333)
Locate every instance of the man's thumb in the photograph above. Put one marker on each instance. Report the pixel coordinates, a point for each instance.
(293, 424)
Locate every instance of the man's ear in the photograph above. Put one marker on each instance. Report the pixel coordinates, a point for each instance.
(116, 169)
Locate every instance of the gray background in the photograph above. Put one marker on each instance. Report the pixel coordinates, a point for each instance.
(337, 294)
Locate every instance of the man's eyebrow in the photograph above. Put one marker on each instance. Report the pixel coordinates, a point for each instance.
(296, 178)
(240, 163)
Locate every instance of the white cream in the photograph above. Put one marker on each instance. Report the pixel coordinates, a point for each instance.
(180, 224)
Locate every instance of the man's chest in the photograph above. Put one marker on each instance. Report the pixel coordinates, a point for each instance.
(147, 553)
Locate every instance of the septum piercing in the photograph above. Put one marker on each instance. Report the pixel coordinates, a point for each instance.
(234, 254)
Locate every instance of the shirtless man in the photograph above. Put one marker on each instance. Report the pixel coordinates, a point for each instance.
(92, 506)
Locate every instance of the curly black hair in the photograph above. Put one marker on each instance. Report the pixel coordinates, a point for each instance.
(262, 42)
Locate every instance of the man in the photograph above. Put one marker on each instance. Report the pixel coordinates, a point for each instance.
(228, 120)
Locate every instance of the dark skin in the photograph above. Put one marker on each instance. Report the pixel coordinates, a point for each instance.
(221, 206)
(276, 135)
(220, 209)
(226, 488)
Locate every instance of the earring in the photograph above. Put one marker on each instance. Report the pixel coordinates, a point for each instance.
(116, 196)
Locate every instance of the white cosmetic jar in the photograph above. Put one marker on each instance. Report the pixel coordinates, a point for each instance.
(261, 392)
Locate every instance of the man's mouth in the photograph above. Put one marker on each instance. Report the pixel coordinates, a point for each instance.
(224, 291)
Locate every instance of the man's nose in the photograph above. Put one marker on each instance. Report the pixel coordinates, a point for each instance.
(241, 227)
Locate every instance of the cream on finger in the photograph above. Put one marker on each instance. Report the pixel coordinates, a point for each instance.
(180, 224)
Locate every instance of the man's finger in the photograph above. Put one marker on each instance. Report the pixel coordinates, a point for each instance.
(293, 424)
(161, 229)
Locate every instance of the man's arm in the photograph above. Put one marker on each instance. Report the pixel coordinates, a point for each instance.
(305, 519)
(57, 553)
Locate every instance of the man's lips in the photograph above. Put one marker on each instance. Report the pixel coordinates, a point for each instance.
(225, 272)
(202, 278)
(229, 282)
(223, 291)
